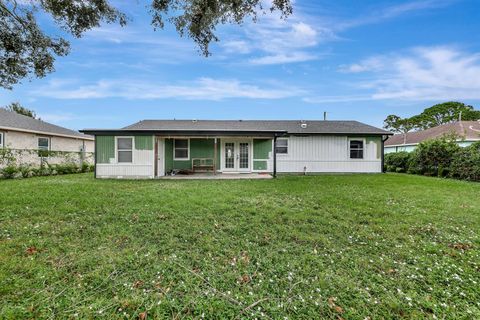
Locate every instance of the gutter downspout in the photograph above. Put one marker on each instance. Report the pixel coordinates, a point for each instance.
(384, 138)
(275, 156)
(95, 159)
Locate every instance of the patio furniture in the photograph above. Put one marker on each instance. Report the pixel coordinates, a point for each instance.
(203, 164)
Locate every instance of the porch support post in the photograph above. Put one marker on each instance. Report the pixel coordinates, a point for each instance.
(275, 156)
(215, 157)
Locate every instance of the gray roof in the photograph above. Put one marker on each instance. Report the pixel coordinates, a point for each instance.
(284, 126)
(15, 121)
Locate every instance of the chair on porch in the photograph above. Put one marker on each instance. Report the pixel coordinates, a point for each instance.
(203, 164)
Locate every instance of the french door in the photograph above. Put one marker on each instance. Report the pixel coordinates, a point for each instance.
(236, 156)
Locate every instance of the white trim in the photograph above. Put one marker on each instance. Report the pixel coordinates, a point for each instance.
(236, 147)
(188, 150)
(417, 143)
(47, 133)
(49, 143)
(363, 148)
(116, 150)
(2, 140)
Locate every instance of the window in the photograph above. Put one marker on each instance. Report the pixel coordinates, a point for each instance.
(282, 146)
(180, 149)
(43, 146)
(356, 149)
(2, 140)
(124, 150)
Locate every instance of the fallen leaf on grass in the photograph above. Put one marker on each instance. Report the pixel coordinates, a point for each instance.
(142, 316)
(460, 246)
(333, 305)
(244, 279)
(31, 250)
(138, 284)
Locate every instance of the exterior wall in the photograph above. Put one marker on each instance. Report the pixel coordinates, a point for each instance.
(142, 165)
(24, 146)
(328, 154)
(199, 148)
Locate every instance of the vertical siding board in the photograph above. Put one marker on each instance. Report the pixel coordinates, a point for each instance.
(143, 142)
(105, 148)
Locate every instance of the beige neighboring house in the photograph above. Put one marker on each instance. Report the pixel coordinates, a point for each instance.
(467, 132)
(33, 141)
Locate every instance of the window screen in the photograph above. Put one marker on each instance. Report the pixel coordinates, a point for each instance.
(124, 150)
(282, 146)
(356, 149)
(181, 149)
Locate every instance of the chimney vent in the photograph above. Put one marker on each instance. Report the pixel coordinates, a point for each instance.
(303, 125)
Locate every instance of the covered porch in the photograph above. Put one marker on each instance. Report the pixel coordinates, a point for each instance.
(222, 157)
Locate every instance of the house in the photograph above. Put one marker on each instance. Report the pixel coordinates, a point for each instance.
(467, 132)
(34, 141)
(154, 148)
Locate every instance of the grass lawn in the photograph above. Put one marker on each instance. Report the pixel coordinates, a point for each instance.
(331, 246)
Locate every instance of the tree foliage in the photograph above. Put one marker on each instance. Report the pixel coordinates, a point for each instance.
(18, 108)
(436, 115)
(26, 49)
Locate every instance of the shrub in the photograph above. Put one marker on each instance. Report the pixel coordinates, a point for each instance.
(397, 161)
(466, 164)
(433, 157)
(9, 172)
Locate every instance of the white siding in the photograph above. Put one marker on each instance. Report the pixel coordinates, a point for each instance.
(142, 167)
(326, 154)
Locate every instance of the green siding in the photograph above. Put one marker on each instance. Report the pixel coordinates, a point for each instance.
(261, 148)
(259, 165)
(143, 142)
(199, 148)
(105, 148)
(378, 142)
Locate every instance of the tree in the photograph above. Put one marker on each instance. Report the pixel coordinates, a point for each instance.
(398, 125)
(436, 115)
(25, 49)
(446, 112)
(18, 108)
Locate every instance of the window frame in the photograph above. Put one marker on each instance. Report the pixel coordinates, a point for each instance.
(188, 149)
(363, 140)
(2, 139)
(276, 147)
(117, 150)
(44, 153)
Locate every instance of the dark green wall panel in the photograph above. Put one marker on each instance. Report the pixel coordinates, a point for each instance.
(144, 142)
(105, 148)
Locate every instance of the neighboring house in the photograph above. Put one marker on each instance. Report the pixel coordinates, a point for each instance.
(34, 141)
(467, 132)
(153, 148)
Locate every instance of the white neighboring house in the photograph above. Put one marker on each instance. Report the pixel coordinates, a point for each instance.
(155, 148)
(467, 132)
(33, 141)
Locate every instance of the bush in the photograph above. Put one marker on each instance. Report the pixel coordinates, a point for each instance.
(466, 165)
(25, 171)
(397, 161)
(433, 157)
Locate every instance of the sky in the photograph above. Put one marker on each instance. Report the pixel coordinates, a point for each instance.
(355, 60)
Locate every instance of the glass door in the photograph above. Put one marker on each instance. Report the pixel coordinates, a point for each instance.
(229, 155)
(244, 156)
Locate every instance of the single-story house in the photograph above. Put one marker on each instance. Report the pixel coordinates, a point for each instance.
(154, 148)
(467, 132)
(33, 140)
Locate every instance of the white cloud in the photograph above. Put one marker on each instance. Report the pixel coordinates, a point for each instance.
(425, 73)
(283, 58)
(200, 89)
(57, 117)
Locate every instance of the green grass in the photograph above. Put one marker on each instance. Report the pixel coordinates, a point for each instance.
(331, 246)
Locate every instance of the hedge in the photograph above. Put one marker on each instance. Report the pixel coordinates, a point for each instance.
(25, 171)
(440, 157)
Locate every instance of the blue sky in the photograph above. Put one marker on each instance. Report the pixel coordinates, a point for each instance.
(359, 60)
